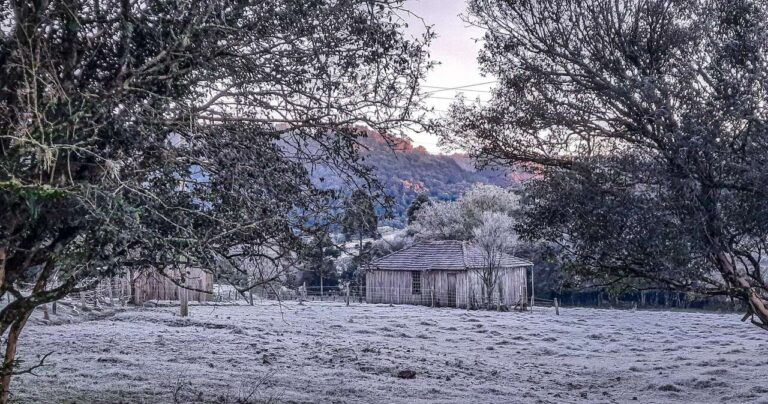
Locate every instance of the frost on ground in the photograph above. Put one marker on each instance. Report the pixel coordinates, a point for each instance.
(326, 352)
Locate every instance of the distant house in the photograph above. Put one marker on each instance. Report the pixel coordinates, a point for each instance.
(443, 273)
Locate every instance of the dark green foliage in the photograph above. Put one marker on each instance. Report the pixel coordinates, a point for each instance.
(156, 135)
(318, 257)
(420, 201)
(646, 125)
(359, 220)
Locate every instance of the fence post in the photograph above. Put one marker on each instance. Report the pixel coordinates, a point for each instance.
(111, 295)
(557, 308)
(349, 286)
(432, 293)
(184, 302)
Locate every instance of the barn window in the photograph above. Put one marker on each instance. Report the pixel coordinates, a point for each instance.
(416, 282)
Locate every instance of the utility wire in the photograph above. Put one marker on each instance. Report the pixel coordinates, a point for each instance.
(441, 89)
(433, 97)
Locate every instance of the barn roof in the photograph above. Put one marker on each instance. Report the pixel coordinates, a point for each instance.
(448, 255)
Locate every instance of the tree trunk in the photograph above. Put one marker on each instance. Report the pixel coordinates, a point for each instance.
(184, 302)
(10, 354)
(757, 306)
(131, 287)
(111, 295)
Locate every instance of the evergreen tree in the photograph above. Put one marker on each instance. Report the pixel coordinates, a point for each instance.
(421, 200)
(318, 258)
(360, 220)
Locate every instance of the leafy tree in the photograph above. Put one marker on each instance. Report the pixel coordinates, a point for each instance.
(360, 220)
(645, 123)
(318, 257)
(421, 200)
(457, 220)
(160, 134)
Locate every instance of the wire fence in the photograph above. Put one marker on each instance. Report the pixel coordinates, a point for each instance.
(115, 293)
(379, 295)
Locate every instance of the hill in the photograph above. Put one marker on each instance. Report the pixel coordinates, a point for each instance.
(405, 171)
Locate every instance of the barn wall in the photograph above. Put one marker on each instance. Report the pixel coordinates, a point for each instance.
(437, 281)
(391, 287)
(152, 286)
(395, 287)
(513, 287)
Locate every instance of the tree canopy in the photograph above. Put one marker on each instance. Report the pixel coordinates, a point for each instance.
(459, 220)
(359, 220)
(421, 200)
(161, 134)
(645, 125)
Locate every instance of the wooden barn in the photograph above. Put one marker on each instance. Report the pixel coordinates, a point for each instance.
(152, 286)
(444, 273)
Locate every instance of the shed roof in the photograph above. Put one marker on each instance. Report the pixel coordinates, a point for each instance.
(448, 255)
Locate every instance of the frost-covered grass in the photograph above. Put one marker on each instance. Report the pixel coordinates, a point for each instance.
(326, 352)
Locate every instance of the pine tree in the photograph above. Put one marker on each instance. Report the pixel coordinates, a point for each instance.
(420, 201)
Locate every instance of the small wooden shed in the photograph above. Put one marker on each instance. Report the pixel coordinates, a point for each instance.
(444, 273)
(150, 285)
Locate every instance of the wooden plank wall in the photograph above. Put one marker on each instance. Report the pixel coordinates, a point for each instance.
(152, 286)
(391, 287)
(396, 287)
(438, 281)
(513, 287)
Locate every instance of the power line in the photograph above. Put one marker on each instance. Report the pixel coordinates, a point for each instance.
(432, 97)
(441, 89)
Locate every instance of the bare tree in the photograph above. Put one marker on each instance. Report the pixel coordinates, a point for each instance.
(494, 238)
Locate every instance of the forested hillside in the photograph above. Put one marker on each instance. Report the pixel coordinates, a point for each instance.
(406, 171)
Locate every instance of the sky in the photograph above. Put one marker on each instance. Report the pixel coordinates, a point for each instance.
(455, 48)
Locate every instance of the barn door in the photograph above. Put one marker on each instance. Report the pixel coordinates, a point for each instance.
(451, 290)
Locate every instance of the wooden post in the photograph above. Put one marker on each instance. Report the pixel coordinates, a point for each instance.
(184, 302)
(360, 290)
(45, 312)
(321, 286)
(53, 307)
(432, 293)
(533, 292)
(111, 296)
(557, 307)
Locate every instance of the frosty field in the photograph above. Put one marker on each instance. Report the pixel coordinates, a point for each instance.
(326, 352)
